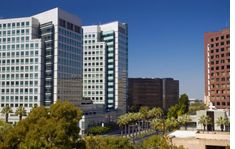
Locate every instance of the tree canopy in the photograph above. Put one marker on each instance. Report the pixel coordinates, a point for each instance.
(183, 104)
(98, 142)
(55, 127)
(159, 142)
(179, 109)
(196, 106)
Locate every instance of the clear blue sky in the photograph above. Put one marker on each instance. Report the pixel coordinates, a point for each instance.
(165, 36)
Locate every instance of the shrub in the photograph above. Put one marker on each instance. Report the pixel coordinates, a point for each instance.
(98, 130)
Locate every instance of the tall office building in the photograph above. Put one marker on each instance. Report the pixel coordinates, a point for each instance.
(40, 59)
(105, 64)
(217, 68)
(152, 92)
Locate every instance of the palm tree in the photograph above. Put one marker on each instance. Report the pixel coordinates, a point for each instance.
(172, 123)
(122, 122)
(6, 110)
(155, 113)
(158, 124)
(184, 119)
(227, 122)
(204, 120)
(21, 112)
(144, 111)
(140, 118)
(222, 121)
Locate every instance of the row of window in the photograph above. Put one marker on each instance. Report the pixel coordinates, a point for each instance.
(217, 50)
(220, 62)
(93, 47)
(220, 67)
(93, 58)
(14, 32)
(22, 98)
(89, 41)
(219, 44)
(219, 92)
(220, 86)
(90, 35)
(20, 91)
(93, 52)
(69, 48)
(93, 75)
(93, 81)
(98, 93)
(13, 25)
(19, 76)
(21, 83)
(17, 54)
(19, 46)
(93, 87)
(19, 68)
(221, 103)
(221, 55)
(221, 37)
(95, 98)
(93, 69)
(14, 40)
(19, 61)
(219, 79)
(70, 34)
(69, 55)
(70, 26)
(69, 41)
(70, 70)
(220, 73)
(18, 105)
(93, 64)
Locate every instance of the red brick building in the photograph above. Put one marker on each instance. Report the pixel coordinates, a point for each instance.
(217, 68)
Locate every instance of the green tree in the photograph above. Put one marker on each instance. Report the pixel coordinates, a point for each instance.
(183, 104)
(98, 130)
(196, 107)
(171, 124)
(159, 142)
(144, 110)
(173, 111)
(123, 122)
(6, 110)
(204, 120)
(155, 113)
(21, 112)
(184, 119)
(227, 122)
(98, 142)
(56, 127)
(4, 128)
(159, 125)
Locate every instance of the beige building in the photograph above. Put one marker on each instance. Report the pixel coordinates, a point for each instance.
(200, 140)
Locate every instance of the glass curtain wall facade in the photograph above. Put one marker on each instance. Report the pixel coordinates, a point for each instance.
(66, 56)
(47, 36)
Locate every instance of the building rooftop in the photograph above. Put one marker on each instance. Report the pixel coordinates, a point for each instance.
(200, 135)
(183, 134)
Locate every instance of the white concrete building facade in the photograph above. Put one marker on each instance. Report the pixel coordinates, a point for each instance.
(40, 60)
(105, 65)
